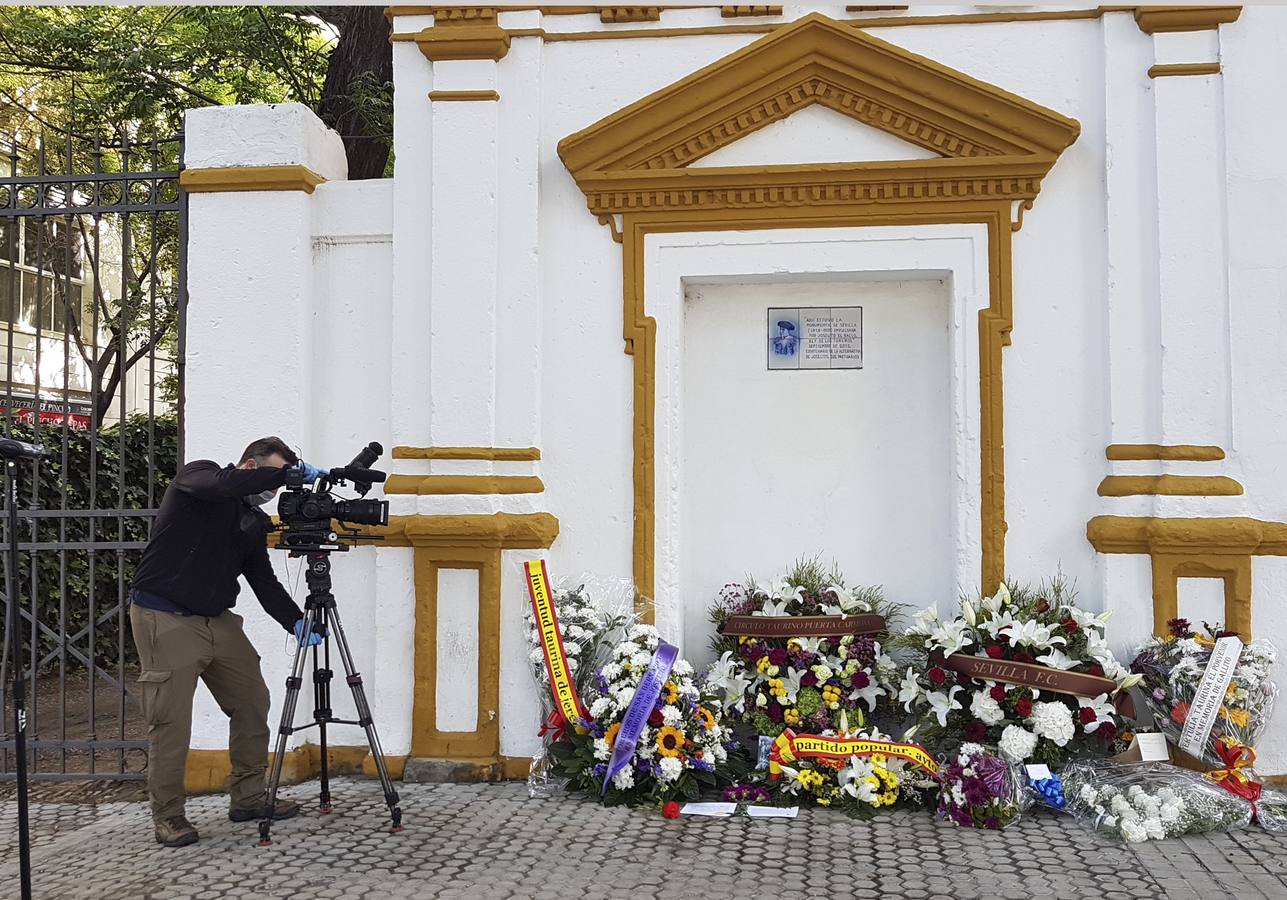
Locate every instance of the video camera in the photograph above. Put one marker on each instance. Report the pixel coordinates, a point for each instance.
(306, 513)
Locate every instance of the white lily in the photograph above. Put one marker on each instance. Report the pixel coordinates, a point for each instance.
(910, 690)
(791, 779)
(772, 607)
(841, 597)
(950, 637)
(941, 704)
(1031, 633)
(869, 695)
(1057, 659)
(994, 604)
(727, 675)
(924, 621)
(791, 683)
(809, 644)
(853, 779)
(968, 612)
(1103, 711)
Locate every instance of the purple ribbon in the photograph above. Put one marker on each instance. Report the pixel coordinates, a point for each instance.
(641, 708)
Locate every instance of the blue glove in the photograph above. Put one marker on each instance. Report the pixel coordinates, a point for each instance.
(311, 472)
(313, 637)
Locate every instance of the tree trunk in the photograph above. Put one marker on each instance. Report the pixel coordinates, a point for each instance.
(362, 56)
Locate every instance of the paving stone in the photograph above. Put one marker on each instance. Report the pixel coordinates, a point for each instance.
(489, 841)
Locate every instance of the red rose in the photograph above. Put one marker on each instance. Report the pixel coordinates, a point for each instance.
(976, 731)
(860, 680)
(1002, 636)
(1023, 708)
(937, 676)
(998, 693)
(1087, 715)
(1107, 732)
(1043, 605)
(995, 652)
(670, 810)
(1070, 626)
(1024, 658)
(1096, 669)
(655, 719)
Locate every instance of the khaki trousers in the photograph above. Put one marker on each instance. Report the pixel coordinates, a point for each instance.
(174, 652)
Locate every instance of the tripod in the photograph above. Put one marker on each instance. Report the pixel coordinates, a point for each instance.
(320, 615)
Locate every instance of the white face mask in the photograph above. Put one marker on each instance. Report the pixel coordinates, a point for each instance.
(261, 498)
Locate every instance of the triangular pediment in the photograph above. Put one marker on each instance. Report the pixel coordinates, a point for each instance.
(814, 134)
(969, 128)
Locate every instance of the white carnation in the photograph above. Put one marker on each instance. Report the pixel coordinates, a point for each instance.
(1133, 832)
(682, 667)
(1017, 743)
(641, 659)
(985, 709)
(624, 780)
(600, 707)
(671, 715)
(601, 749)
(671, 768)
(1054, 722)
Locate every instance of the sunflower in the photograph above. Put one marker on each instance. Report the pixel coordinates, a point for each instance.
(611, 734)
(670, 692)
(707, 717)
(669, 741)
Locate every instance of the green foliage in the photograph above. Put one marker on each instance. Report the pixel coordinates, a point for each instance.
(106, 471)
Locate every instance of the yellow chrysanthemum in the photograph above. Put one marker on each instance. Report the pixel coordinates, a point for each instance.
(670, 741)
(889, 798)
(611, 734)
(1238, 717)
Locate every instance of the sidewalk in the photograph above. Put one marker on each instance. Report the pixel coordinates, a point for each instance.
(485, 841)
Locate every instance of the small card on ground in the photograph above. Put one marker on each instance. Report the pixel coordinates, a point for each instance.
(772, 812)
(708, 809)
(1037, 772)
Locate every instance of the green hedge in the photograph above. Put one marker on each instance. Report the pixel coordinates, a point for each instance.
(91, 476)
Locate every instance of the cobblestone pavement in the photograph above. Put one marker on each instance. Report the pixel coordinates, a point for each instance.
(485, 841)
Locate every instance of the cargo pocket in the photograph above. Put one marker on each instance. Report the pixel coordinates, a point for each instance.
(153, 686)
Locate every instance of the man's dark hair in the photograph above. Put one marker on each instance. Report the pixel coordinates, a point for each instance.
(265, 447)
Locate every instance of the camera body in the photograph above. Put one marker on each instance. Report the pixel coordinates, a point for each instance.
(306, 513)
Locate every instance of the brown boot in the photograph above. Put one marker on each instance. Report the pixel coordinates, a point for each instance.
(175, 831)
(284, 809)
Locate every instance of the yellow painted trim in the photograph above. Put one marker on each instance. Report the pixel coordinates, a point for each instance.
(250, 178)
(1168, 452)
(737, 12)
(499, 454)
(633, 163)
(1154, 19)
(464, 484)
(506, 531)
(207, 771)
(1215, 547)
(447, 96)
(1184, 69)
(1169, 486)
(1236, 535)
(426, 739)
(467, 32)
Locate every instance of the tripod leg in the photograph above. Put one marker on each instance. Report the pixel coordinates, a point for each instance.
(322, 712)
(367, 722)
(293, 683)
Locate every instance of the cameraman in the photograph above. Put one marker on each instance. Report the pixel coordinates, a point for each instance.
(208, 532)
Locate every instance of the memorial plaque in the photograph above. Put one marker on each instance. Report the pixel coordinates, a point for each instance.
(815, 337)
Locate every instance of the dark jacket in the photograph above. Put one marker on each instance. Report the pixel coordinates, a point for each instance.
(206, 535)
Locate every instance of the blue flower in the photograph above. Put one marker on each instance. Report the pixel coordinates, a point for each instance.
(600, 770)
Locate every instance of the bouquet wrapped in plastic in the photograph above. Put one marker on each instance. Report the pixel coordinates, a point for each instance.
(572, 625)
(980, 789)
(1149, 801)
(1211, 694)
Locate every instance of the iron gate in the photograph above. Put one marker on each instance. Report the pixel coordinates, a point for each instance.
(93, 238)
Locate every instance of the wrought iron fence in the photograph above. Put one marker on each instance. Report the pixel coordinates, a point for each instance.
(92, 260)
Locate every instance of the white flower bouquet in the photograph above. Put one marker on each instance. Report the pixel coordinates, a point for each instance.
(679, 745)
(571, 626)
(1137, 802)
(1025, 670)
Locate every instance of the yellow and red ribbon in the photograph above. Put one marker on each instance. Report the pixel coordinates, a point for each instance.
(1236, 756)
(789, 746)
(566, 700)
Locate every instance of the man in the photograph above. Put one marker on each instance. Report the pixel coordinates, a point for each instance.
(208, 532)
